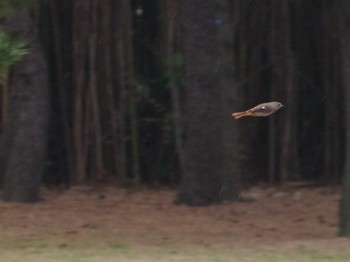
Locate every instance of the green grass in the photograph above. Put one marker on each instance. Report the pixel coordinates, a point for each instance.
(88, 252)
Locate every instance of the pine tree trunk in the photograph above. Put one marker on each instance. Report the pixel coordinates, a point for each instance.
(80, 10)
(131, 92)
(210, 147)
(26, 133)
(96, 118)
(344, 210)
(61, 127)
(170, 13)
(119, 55)
(289, 167)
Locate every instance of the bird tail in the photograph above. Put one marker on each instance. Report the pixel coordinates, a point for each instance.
(237, 115)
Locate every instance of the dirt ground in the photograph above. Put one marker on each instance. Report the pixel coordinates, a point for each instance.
(294, 217)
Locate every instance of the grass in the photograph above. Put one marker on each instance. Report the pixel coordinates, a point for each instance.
(42, 251)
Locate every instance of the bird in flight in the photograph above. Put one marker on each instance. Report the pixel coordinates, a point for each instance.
(264, 109)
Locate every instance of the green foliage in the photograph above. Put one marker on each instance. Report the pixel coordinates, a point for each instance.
(10, 8)
(11, 50)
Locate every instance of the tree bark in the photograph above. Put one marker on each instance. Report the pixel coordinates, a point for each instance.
(132, 94)
(210, 146)
(26, 133)
(120, 64)
(289, 158)
(96, 118)
(61, 76)
(80, 9)
(344, 210)
(170, 13)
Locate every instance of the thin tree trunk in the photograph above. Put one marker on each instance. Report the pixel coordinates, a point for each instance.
(94, 92)
(132, 96)
(80, 12)
(230, 177)
(5, 97)
(333, 96)
(328, 99)
(289, 167)
(120, 86)
(272, 164)
(344, 209)
(107, 60)
(171, 10)
(61, 73)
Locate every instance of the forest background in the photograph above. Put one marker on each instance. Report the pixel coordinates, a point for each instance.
(138, 93)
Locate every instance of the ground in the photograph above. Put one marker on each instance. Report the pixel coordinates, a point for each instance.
(294, 223)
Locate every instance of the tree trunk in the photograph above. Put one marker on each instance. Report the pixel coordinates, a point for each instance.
(210, 146)
(4, 75)
(119, 60)
(62, 155)
(171, 12)
(96, 118)
(132, 94)
(111, 101)
(80, 9)
(344, 210)
(289, 158)
(26, 133)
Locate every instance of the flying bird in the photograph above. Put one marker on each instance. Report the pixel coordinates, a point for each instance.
(264, 109)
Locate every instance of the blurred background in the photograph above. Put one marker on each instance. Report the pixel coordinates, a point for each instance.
(132, 85)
